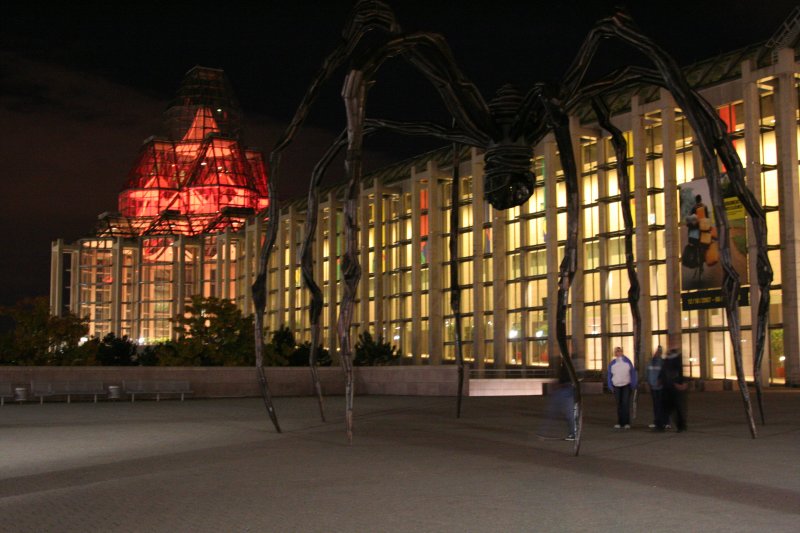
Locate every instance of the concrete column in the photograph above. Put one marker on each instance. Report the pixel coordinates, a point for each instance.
(672, 235)
(379, 266)
(301, 294)
(500, 317)
(291, 267)
(74, 283)
(478, 220)
(250, 260)
(702, 314)
(435, 281)
(416, 266)
(219, 280)
(578, 295)
(332, 296)
(551, 246)
(602, 183)
(279, 251)
(137, 291)
(56, 277)
(789, 213)
(523, 333)
(178, 278)
(116, 286)
(642, 235)
(318, 269)
(363, 243)
(752, 164)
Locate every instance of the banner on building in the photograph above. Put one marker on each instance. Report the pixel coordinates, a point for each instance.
(700, 261)
(693, 300)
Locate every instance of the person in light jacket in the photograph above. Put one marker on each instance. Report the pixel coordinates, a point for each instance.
(622, 380)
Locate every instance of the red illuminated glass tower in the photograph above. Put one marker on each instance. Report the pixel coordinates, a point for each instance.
(200, 178)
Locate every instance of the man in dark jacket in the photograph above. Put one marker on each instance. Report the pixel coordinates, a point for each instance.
(675, 389)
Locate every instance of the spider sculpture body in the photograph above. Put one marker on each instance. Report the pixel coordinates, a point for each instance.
(506, 128)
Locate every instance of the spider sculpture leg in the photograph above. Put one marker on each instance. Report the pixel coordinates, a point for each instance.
(307, 264)
(354, 94)
(365, 17)
(307, 257)
(259, 291)
(621, 151)
(733, 164)
(560, 125)
(554, 118)
(713, 142)
(433, 61)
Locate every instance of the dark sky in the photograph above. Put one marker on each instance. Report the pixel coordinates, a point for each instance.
(83, 84)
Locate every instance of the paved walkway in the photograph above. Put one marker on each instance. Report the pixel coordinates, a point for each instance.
(217, 465)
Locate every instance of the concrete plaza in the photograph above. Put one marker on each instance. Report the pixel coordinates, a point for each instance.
(218, 465)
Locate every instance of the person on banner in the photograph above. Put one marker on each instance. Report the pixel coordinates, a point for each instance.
(622, 381)
(693, 256)
(709, 248)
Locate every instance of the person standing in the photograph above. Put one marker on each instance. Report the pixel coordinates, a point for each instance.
(656, 392)
(622, 380)
(675, 389)
(560, 407)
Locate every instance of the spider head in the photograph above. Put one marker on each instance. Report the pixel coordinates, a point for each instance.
(508, 180)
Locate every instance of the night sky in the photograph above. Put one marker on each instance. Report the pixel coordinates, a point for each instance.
(81, 86)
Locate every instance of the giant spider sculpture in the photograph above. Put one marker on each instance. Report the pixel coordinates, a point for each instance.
(506, 128)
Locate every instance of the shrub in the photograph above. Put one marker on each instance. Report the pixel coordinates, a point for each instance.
(280, 348)
(283, 350)
(301, 354)
(375, 352)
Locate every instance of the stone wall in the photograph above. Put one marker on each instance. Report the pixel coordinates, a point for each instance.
(233, 382)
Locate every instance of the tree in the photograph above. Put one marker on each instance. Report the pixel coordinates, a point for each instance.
(35, 337)
(213, 332)
(282, 344)
(116, 351)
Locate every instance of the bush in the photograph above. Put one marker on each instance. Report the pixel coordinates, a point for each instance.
(375, 352)
(163, 354)
(301, 354)
(283, 350)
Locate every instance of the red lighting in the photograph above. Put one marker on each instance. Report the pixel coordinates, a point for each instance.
(201, 174)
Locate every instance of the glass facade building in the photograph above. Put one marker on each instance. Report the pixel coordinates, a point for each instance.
(507, 260)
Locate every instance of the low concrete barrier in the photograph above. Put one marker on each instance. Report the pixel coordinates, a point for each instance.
(236, 382)
(407, 380)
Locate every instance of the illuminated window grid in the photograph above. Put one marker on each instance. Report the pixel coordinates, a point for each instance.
(95, 276)
(128, 295)
(464, 261)
(656, 229)
(156, 289)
